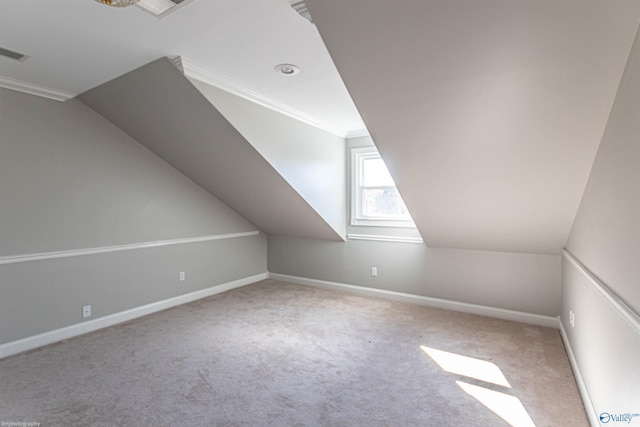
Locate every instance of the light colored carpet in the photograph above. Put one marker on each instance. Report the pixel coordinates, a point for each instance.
(277, 354)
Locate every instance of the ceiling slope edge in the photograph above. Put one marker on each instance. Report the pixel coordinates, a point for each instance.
(160, 108)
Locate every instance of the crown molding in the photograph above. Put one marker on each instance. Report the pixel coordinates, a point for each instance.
(357, 133)
(34, 89)
(198, 72)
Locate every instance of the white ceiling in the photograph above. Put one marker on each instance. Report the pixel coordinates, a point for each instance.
(75, 45)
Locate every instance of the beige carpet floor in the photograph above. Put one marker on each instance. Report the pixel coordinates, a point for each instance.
(277, 354)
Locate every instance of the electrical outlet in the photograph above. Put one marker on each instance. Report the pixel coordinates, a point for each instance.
(572, 318)
(374, 271)
(182, 276)
(86, 311)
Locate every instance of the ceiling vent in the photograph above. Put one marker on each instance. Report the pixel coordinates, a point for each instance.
(13, 55)
(160, 8)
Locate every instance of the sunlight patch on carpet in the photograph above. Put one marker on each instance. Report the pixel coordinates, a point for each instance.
(467, 366)
(506, 406)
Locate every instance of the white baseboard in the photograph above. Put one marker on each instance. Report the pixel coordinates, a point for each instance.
(500, 313)
(35, 341)
(592, 415)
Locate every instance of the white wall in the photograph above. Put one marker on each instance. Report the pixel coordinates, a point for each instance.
(606, 232)
(604, 291)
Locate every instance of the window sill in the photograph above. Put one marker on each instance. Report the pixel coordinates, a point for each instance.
(379, 238)
(356, 222)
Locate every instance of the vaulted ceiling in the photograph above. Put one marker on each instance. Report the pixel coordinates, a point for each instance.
(488, 113)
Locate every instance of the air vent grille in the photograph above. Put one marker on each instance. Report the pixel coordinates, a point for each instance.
(160, 8)
(12, 54)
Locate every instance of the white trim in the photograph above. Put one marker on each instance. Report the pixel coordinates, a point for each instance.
(592, 415)
(34, 89)
(195, 71)
(357, 133)
(105, 249)
(618, 305)
(481, 310)
(378, 238)
(35, 341)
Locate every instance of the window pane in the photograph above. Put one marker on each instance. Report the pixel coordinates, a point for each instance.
(375, 174)
(383, 203)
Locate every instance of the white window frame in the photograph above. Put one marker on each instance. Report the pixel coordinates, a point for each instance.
(358, 156)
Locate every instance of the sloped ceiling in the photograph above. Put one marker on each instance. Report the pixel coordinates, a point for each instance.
(76, 45)
(488, 113)
(311, 160)
(160, 108)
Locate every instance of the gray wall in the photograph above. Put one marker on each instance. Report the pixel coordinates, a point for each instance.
(514, 281)
(70, 180)
(605, 238)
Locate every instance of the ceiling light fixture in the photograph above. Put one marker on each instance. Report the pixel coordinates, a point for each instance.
(287, 69)
(118, 3)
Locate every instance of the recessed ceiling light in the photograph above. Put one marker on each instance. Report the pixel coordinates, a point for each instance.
(287, 69)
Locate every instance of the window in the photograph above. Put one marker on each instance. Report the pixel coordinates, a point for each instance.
(375, 200)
